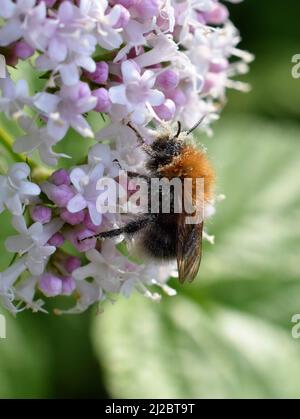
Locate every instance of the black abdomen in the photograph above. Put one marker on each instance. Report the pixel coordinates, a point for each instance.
(159, 240)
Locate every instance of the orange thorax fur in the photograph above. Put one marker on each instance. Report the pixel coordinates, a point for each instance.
(191, 163)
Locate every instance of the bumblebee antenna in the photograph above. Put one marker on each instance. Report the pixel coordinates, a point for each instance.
(197, 124)
(178, 130)
(139, 137)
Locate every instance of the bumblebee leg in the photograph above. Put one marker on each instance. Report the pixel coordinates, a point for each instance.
(130, 228)
(133, 174)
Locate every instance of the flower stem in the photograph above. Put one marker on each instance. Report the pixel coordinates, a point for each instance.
(38, 172)
(7, 143)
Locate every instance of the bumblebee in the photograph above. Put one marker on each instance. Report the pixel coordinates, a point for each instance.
(167, 236)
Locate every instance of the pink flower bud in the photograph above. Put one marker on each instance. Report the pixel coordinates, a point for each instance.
(89, 243)
(129, 266)
(166, 111)
(88, 222)
(125, 3)
(17, 50)
(61, 195)
(210, 82)
(41, 214)
(146, 9)
(217, 16)
(200, 18)
(71, 263)
(72, 218)
(23, 50)
(103, 100)
(68, 285)
(60, 177)
(178, 97)
(50, 3)
(123, 19)
(56, 240)
(218, 65)
(100, 75)
(132, 54)
(10, 57)
(167, 80)
(50, 285)
(77, 93)
(76, 237)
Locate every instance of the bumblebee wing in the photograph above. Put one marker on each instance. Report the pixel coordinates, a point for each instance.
(189, 249)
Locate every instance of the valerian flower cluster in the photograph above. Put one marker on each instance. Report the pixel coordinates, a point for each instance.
(133, 61)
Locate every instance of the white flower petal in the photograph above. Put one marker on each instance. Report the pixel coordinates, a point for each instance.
(19, 224)
(117, 94)
(76, 204)
(7, 9)
(100, 153)
(57, 128)
(57, 50)
(22, 88)
(11, 32)
(14, 205)
(46, 102)
(29, 188)
(19, 171)
(35, 230)
(156, 98)
(18, 244)
(114, 15)
(80, 125)
(96, 173)
(11, 274)
(84, 272)
(69, 74)
(86, 62)
(96, 217)
(76, 176)
(139, 115)
(130, 71)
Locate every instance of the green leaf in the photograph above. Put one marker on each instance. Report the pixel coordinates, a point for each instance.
(257, 165)
(179, 350)
(24, 360)
(229, 333)
(22, 372)
(45, 355)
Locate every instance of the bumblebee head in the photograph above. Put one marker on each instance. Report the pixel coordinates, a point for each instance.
(164, 148)
(166, 145)
(169, 144)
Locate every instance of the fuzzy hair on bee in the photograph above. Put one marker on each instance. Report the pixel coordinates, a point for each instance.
(176, 156)
(167, 236)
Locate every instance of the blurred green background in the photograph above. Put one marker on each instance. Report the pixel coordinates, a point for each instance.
(229, 333)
